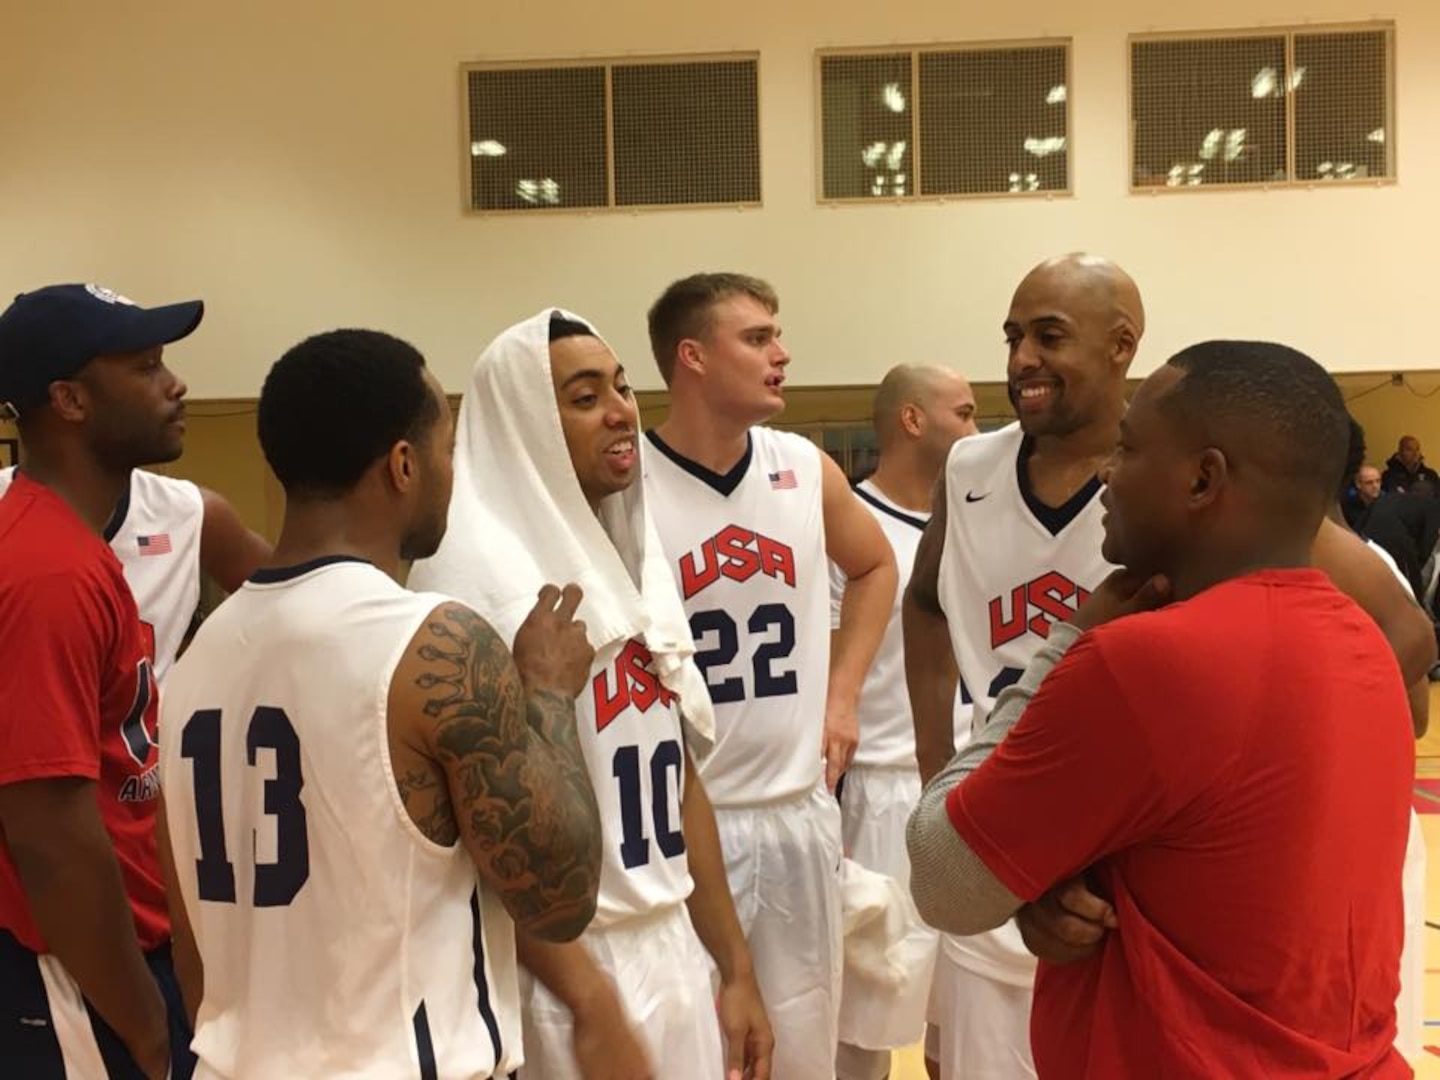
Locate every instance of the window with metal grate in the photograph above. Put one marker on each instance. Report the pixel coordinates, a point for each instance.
(629, 134)
(945, 121)
(1278, 107)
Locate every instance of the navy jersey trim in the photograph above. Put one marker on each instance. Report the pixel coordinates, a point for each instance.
(27, 1037)
(898, 515)
(725, 483)
(119, 1065)
(117, 519)
(1054, 518)
(274, 575)
(482, 983)
(424, 1045)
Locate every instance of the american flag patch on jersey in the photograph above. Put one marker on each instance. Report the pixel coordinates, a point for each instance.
(783, 480)
(154, 544)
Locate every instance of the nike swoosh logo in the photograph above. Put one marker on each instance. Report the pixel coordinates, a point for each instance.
(970, 496)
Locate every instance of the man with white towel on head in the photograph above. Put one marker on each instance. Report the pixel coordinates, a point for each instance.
(545, 469)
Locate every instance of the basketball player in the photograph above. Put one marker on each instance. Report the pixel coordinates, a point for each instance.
(1244, 750)
(166, 532)
(919, 412)
(748, 517)
(87, 987)
(547, 468)
(1018, 517)
(343, 755)
(1017, 537)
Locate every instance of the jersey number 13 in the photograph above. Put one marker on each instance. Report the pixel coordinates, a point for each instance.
(276, 883)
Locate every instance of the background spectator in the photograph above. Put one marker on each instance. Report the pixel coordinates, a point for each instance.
(1407, 467)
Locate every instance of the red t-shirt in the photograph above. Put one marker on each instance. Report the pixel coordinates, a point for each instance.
(1235, 770)
(79, 696)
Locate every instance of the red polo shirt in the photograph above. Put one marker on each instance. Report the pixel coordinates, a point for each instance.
(1235, 771)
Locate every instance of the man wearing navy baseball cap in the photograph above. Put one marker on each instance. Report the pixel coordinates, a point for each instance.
(87, 986)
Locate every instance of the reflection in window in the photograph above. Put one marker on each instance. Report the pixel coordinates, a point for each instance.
(987, 120)
(1220, 110)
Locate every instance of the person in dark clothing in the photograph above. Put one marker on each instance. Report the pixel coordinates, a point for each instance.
(1359, 497)
(1407, 467)
(1407, 526)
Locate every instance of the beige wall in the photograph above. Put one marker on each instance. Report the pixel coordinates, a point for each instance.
(298, 166)
(222, 453)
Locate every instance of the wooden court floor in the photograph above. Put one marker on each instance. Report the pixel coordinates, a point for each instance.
(909, 1064)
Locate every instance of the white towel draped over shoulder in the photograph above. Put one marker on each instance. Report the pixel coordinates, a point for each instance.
(518, 520)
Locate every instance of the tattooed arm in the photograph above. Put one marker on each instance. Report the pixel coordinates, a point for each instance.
(485, 751)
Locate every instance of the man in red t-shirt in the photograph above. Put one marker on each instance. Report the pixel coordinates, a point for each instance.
(86, 988)
(1231, 769)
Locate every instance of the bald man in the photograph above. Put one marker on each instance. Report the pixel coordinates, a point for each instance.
(919, 412)
(1406, 470)
(991, 582)
(1234, 768)
(1021, 549)
(1361, 493)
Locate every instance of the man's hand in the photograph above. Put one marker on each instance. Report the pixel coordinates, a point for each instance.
(551, 651)
(842, 735)
(606, 1046)
(1123, 593)
(749, 1042)
(67, 867)
(1067, 924)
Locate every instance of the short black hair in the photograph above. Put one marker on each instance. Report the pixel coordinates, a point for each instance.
(1270, 403)
(562, 328)
(1354, 455)
(336, 403)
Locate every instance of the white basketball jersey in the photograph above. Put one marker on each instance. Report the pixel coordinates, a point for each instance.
(748, 552)
(338, 940)
(155, 533)
(887, 733)
(630, 734)
(1011, 568)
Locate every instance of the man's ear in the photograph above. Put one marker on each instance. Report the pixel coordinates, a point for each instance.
(70, 400)
(400, 465)
(690, 354)
(911, 418)
(1212, 474)
(1123, 345)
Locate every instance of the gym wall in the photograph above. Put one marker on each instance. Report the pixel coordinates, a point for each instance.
(301, 167)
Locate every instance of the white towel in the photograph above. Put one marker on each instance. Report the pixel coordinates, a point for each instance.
(518, 520)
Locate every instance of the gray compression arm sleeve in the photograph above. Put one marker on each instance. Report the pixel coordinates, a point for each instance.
(953, 889)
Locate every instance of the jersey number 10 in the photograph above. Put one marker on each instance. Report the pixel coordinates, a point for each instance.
(276, 883)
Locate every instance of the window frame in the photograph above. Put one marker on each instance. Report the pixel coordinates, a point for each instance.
(1289, 32)
(608, 63)
(914, 51)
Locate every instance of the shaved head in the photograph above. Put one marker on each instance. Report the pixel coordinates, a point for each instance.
(1073, 328)
(920, 410)
(1092, 285)
(910, 384)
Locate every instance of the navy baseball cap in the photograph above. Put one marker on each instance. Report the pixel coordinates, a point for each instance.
(53, 332)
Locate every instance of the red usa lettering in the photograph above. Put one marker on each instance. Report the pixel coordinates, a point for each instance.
(1034, 606)
(738, 554)
(633, 683)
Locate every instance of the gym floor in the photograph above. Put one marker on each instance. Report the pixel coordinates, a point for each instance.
(910, 1065)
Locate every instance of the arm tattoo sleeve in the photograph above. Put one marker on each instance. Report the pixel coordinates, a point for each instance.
(521, 792)
(427, 800)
